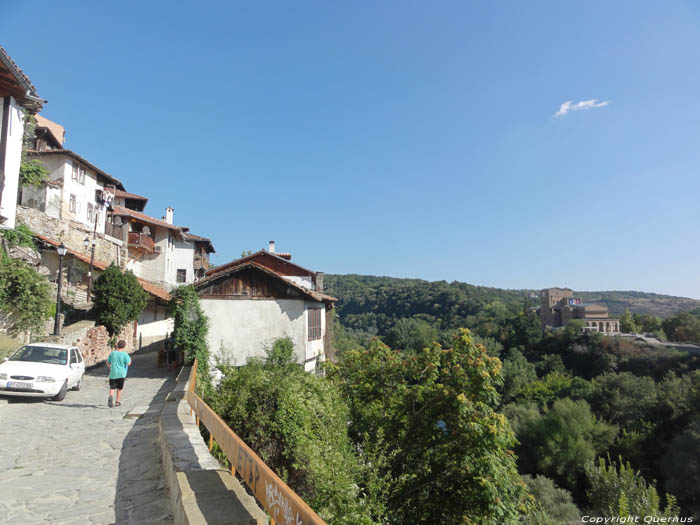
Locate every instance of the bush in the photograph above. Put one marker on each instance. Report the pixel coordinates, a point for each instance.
(24, 295)
(553, 505)
(119, 299)
(297, 423)
(20, 236)
(191, 327)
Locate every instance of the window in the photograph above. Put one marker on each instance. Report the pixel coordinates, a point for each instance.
(78, 173)
(90, 209)
(314, 324)
(73, 204)
(181, 275)
(73, 357)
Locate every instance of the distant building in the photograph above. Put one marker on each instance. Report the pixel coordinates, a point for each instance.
(558, 306)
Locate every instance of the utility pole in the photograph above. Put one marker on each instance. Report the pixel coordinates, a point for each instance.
(57, 322)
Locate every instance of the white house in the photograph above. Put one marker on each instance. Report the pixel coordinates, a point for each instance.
(16, 95)
(159, 251)
(253, 301)
(76, 189)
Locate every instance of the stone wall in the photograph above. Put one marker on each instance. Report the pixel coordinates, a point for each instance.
(72, 234)
(93, 341)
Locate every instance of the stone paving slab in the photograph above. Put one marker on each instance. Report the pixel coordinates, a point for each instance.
(78, 461)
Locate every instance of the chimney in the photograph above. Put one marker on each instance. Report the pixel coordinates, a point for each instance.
(169, 215)
(272, 247)
(319, 281)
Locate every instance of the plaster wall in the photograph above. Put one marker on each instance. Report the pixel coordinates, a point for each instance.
(13, 158)
(84, 193)
(153, 268)
(154, 324)
(302, 280)
(183, 259)
(243, 328)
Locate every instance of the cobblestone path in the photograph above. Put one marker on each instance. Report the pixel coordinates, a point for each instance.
(78, 461)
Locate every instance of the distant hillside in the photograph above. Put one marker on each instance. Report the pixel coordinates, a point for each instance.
(641, 302)
(373, 304)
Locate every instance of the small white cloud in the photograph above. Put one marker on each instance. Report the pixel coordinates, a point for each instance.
(583, 104)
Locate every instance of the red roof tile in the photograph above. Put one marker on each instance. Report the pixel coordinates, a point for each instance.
(120, 210)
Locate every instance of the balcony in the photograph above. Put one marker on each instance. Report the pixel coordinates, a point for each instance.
(141, 243)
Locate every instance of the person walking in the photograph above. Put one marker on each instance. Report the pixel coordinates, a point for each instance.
(118, 363)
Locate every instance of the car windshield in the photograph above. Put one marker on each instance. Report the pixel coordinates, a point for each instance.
(41, 354)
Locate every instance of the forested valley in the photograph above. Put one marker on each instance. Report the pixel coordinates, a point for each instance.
(448, 403)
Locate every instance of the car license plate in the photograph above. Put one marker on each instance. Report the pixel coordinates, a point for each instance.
(16, 384)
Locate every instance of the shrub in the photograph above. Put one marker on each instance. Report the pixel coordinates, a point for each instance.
(119, 299)
(297, 423)
(24, 295)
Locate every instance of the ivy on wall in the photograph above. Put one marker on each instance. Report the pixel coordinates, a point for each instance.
(191, 327)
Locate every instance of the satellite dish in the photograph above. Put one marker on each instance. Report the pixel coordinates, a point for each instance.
(146, 230)
(117, 221)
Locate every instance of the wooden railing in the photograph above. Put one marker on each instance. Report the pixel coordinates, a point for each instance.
(283, 505)
(141, 241)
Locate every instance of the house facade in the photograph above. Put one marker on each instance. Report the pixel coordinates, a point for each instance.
(17, 94)
(250, 305)
(158, 250)
(76, 190)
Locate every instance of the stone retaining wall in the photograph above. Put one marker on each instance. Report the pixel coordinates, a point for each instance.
(93, 341)
(107, 249)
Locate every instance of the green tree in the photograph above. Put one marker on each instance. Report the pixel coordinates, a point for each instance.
(564, 439)
(24, 296)
(119, 299)
(297, 423)
(681, 466)
(517, 373)
(554, 505)
(431, 416)
(191, 327)
(627, 324)
(412, 334)
(616, 489)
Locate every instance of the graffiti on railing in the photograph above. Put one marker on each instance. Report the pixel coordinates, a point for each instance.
(247, 469)
(277, 502)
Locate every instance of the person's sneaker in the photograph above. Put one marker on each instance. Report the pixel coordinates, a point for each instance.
(110, 402)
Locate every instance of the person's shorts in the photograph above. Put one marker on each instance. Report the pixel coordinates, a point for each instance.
(116, 383)
(172, 356)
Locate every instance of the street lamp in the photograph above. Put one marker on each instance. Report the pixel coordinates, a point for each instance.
(57, 324)
(86, 243)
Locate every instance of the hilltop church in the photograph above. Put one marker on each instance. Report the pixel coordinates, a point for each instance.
(558, 306)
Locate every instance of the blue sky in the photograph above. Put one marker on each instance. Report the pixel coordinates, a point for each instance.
(395, 138)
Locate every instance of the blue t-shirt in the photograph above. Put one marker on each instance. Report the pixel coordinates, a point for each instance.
(119, 362)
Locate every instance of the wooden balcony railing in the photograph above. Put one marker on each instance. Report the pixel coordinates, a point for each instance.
(282, 504)
(141, 242)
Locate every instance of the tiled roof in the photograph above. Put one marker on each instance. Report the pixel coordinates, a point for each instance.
(57, 131)
(154, 290)
(120, 210)
(127, 195)
(316, 296)
(77, 157)
(199, 238)
(151, 288)
(22, 78)
(85, 258)
(252, 256)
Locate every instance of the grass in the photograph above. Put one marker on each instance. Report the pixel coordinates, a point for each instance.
(8, 345)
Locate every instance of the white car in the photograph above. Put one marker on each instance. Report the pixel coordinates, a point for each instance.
(42, 370)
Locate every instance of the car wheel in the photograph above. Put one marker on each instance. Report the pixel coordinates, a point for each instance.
(79, 384)
(62, 393)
